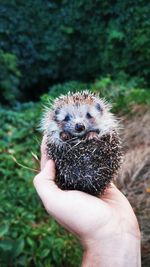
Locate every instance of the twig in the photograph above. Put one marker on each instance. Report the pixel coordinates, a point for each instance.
(21, 165)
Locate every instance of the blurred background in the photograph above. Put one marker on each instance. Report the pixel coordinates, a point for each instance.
(48, 48)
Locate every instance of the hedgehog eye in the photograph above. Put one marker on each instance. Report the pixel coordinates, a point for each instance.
(57, 111)
(88, 115)
(98, 107)
(67, 118)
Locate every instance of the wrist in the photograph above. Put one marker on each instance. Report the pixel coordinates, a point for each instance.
(119, 251)
(92, 258)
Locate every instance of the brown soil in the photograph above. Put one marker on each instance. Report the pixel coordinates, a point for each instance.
(134, 177)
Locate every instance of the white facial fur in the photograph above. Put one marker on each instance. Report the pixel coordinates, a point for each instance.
(101, 119)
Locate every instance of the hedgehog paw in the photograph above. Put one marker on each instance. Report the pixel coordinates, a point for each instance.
(91, 135)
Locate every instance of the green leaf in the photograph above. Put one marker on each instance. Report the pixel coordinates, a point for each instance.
(6, 245)
(45, 253)
(30, 242)
(4, 229)
(18, 247)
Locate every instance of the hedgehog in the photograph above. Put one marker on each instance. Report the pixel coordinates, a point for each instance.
(82, 138)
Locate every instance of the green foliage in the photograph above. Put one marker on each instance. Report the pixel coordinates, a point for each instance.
(64, 88)
(121, 96)
(28, 236)
(9, 77)
(76, 40)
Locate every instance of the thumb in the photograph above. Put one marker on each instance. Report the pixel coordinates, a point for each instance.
(48, 172)
(45, 185)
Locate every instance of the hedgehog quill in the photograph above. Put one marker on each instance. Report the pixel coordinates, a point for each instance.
(82, 138)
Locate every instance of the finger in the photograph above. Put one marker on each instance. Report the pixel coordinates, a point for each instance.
(51, 196)
(45, 180)
(113, 195)
(111, 192)
(44, 157)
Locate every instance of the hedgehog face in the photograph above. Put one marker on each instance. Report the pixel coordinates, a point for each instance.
(78, 119)
(77, 115)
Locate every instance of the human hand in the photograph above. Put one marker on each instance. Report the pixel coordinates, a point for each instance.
(106, 227)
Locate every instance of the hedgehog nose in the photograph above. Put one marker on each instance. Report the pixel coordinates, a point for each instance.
(79, 127)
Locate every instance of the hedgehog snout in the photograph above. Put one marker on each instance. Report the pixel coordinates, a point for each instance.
(79, 127)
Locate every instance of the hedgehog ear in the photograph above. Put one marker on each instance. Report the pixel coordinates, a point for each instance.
(57, 111)
(98, 107)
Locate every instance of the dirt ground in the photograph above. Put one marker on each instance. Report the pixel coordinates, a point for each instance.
(134, 176)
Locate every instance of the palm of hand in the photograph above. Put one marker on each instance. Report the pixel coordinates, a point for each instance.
(88, 217)
(92, 218)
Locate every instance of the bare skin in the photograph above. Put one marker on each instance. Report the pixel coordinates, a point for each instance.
(106, 227)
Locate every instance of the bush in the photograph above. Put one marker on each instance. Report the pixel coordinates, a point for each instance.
(64, 88)
(75, 40)
(122, 95)
(9, 77)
